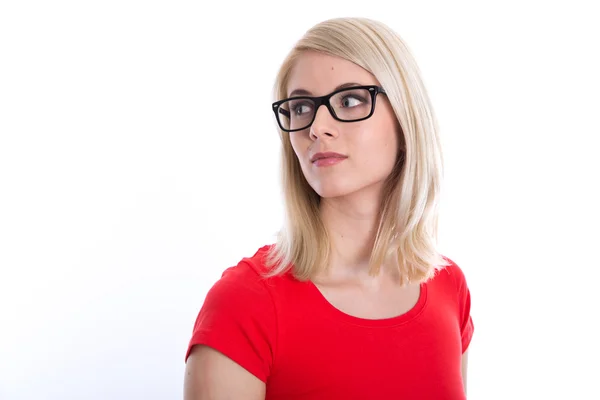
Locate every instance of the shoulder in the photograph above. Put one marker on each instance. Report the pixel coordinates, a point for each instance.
(238, 316)
(249, 271)
(456, 283)
(451, 274)
(244, 282)
(450, 282)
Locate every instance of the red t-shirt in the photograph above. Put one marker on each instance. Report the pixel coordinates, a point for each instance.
(288, 335)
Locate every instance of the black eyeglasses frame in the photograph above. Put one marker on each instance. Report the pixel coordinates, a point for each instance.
(374, 90)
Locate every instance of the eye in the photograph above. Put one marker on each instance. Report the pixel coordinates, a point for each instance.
(300, 108)
(351, 101)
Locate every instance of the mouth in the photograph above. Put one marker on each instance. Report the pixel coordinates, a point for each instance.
(329, 156)
(327, 159)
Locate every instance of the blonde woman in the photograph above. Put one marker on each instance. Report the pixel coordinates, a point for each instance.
(353, 301)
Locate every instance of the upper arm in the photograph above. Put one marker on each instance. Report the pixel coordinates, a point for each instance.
(464, 365)
(211, 375)
(230, 353)
(464, 318)
(463, 296)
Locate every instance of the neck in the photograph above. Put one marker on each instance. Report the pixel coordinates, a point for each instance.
(352, 223)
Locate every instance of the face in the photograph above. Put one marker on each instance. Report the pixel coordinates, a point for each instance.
(369, 147)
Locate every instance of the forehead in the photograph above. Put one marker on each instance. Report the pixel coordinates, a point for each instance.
(320, 73)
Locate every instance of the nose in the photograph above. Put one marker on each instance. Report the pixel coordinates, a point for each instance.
(324, 124)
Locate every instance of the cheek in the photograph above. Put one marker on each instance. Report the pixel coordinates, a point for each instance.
(380, 149)
(300, 144)
(296, 146)
(390, 140)
(296, 141)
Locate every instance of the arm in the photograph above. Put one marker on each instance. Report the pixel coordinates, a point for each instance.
(464, 316)
(210, 375)
(464, 363)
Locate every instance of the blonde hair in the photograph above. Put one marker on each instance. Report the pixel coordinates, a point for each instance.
(407, 232)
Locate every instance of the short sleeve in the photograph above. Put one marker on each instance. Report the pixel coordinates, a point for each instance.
(237, 319)
(464, 304)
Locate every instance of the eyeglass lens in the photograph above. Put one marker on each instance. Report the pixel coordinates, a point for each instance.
(348, 105)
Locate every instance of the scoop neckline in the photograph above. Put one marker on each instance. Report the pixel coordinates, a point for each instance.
(397, 320)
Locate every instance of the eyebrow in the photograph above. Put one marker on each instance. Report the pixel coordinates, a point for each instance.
(304, 92)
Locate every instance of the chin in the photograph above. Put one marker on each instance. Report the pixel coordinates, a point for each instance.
(337, 188)
(331, 190)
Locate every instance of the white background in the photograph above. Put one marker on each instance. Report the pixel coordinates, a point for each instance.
(139, 159)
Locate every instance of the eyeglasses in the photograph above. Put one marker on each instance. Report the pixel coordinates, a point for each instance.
(351, 104)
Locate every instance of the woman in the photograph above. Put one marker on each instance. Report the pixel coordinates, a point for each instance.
(353, 301)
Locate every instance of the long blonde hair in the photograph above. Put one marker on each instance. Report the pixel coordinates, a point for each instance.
(408, 220)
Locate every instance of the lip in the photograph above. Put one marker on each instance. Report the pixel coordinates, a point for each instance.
(331, 156)
(326, 162)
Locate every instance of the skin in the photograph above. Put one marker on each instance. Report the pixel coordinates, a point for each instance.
(350, 196)
(351, 190)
